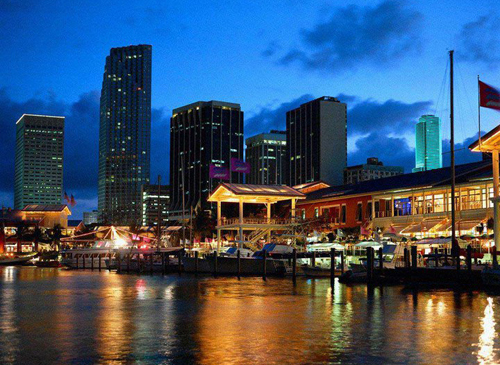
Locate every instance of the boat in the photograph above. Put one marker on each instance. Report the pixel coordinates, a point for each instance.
(16, 259)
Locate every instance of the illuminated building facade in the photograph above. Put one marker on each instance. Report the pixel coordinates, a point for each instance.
(124, 134)
(150, 201)
(316, 139)
(428, 144)
(371, 170)
(201, 134)
(39, 160)
(266, 154)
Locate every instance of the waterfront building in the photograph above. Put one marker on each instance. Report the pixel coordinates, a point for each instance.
(90, 217)
(151, 198)
(413, 205)
(202, 134)
(266, 154)
(124, 134)
(316, 139)
(428, 144)
(46, 216)
(38, 160)
(371, 170)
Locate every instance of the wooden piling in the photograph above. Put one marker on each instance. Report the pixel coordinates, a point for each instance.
(294, 266)
(128, 262)
(405, 257)
(369, 264)
(83, 267)
(264, 266)
(215, 263)
(76, 257)
(413, 257)
(119, 263)
(100, 261)
(469, 258)
(436, 256)
(92, 261)
(332, 267)
(342, 263)
(179, 262)
(313, 259)
(380, 260)
(238, 256)
(495, 262)
(196, 262)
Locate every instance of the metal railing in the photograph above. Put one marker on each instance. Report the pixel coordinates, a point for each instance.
(233, 221)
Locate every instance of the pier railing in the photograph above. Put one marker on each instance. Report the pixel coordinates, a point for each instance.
(274, 221)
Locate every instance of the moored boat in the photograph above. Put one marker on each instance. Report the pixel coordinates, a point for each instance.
(16, 259)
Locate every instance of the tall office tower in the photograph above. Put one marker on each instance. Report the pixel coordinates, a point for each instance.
(266, 154)
(39, 160)
(201, 134)
(124, 134)
(316, 139)
(428, 144)
(151, 198)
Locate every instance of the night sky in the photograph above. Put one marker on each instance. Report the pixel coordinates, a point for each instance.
(386, 59)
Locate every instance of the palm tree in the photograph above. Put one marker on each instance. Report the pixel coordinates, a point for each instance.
(203, 224)
(21, 231)
(55, 235)
(37, 237)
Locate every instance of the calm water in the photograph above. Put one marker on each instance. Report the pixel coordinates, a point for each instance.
(59, 316)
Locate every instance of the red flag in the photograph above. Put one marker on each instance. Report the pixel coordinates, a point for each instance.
(66, 197)
(489, 97)
(72, 201)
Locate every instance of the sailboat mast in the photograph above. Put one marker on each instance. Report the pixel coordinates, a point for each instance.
(452, 149)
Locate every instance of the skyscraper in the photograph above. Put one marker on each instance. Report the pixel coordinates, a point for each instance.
(125, 133)
(39, 160)
(316, 139)
(201, 134)
(428, 144)
(150, 201)
(266, 154)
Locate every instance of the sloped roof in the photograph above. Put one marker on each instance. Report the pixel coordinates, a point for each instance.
(436, 177)
(252, 189)
(45, 208)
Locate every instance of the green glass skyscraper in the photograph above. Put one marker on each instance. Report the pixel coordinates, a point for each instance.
(124, 134)
(39, 160)
(428, 144)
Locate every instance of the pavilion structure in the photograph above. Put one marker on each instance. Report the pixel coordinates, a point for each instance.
(490, 143)
(253, 194)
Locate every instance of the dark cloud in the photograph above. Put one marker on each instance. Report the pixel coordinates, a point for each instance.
(480, 41)
(273, 118)
(392, 151)
(81, 144)
(462, 152)
(356, 35)
(391, 116)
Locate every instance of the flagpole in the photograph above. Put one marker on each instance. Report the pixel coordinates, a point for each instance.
(479, 111)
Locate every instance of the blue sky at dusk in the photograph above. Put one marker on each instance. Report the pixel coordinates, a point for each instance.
(386, 59)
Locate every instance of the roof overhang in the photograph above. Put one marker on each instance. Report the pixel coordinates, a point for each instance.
(253, 194)
(489, 142)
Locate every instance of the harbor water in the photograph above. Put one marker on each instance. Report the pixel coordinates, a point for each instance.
(81, 317)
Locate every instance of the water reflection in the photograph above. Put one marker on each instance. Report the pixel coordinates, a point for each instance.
(486, 353)
(63, 316)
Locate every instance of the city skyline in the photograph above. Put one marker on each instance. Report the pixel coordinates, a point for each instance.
(383, 115)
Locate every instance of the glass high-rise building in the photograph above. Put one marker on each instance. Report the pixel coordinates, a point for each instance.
(124, 134)
(266, 154)
(316, 140)
(39, 160)
(201, 134)
(428, 144)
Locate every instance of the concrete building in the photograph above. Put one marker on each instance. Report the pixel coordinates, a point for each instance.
(150, 200)
(428, 144)
(317, 142)
(201, 134)
(266, 154)
(91, 217)
(371, 170)
(39, 160)
(124, 134)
